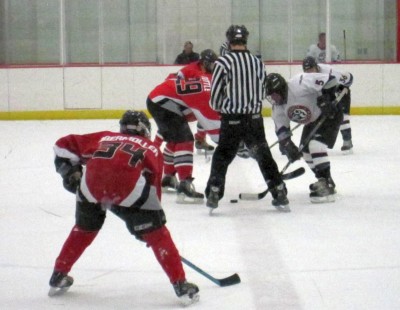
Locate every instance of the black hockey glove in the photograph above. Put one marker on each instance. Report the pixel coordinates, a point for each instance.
(72, 180)
(290, 150)
(71, 174)
(327, 106)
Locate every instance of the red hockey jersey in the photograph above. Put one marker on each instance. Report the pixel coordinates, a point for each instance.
(189, 96)
(118, 166)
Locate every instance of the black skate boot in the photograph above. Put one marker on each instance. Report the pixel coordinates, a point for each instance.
(202, 145)
(169, 183)
(187, 292)
(187, 193)
(322, 191)
(213, 198)
(314, 186)
(59, 283)
(280, 201)
(347, 147)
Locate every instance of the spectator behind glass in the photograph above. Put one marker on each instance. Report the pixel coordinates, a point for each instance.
(318, 51)
(187, 56)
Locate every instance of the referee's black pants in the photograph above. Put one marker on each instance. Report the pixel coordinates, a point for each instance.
(234, 129)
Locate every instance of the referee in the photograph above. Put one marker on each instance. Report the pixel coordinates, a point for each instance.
(237, 90)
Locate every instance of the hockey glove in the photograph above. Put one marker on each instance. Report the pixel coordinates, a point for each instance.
(327, 106)
(72, 180)
(290, 150)
(71, 174)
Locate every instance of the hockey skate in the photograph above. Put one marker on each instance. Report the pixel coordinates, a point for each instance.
(187, 193)
(59, 283)
(169, 184)
(347, 147)
(213, 198)
(280, 201)
(322, 191)
(186, 292)
(202, 145)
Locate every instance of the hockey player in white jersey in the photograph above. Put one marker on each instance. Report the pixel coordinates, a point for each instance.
(345, 80)
(305, 99)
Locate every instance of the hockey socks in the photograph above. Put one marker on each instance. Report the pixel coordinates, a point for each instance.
(76, 243)
(166, 253)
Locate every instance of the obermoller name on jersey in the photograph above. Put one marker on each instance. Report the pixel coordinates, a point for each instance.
(136, 140)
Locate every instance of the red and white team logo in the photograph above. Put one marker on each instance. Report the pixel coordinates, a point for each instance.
(299, 114)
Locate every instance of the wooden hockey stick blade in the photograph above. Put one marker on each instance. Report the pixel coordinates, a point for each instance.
(286, 176)
(231, 280)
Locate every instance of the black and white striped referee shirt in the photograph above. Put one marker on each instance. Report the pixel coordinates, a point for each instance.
(238, 83)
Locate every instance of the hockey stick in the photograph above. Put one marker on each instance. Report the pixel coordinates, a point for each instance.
(252, 196)
(276, 142)
(287, 176)
(231, 280)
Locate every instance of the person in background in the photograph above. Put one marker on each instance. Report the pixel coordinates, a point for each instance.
(318, 51)
(237, 91)
(188, 55)
(345, 80)
(123, 175)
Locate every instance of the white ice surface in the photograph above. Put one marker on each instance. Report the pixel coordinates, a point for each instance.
(343, 255)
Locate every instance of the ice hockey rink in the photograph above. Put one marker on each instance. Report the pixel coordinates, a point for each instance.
(342, 255)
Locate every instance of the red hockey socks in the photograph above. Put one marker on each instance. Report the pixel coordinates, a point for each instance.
(76, 243)
(178, 158)
(166, 253)
(183, 159)
(168, 154)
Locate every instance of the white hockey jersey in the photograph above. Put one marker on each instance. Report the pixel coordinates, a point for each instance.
(301, 106)
(343, 77)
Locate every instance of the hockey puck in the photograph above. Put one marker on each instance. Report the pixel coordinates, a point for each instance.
(234, 201)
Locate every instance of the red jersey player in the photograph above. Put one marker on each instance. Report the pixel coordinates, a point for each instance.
(172, 104)
(123, 174)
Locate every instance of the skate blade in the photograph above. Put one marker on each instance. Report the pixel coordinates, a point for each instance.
(347, 152)
(282, 208)
(211, 208)
(325, 199)
(187, 301)
(183, 199)
(168, 190)
(202, 151)
(56, 291)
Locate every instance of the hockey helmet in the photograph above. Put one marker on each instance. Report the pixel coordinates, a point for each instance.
(135, 123)
(237, 34)
(309, 63)
(277, 89)
(207, 58)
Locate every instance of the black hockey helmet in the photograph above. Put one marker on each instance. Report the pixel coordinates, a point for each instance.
(135, 123)
(207, 58)
(237, 34)
(277, 89)
(309, 63)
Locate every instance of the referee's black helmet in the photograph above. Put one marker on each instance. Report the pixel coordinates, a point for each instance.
(237, 34)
